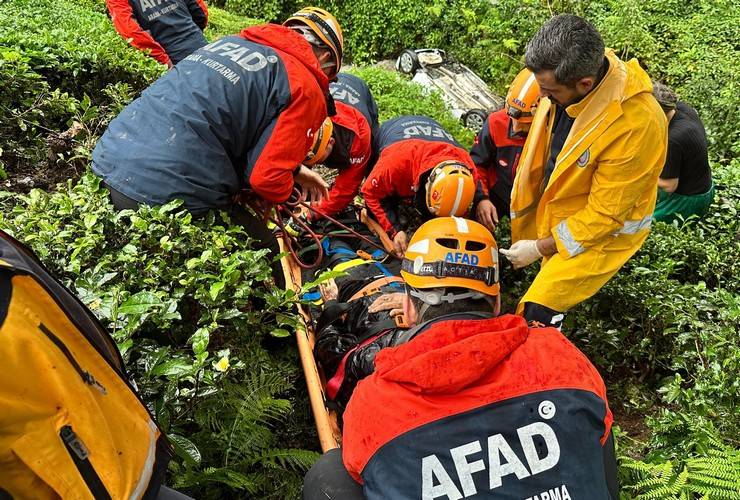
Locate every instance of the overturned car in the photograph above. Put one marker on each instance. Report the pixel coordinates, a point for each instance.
(468, 97)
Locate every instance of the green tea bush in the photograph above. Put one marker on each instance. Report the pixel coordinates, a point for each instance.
(191, 307)
(74, 48)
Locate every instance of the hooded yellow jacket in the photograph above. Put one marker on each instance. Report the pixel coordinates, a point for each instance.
(599, 200)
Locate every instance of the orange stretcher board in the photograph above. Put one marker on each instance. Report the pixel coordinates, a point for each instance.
(330, 436)
(326, 420)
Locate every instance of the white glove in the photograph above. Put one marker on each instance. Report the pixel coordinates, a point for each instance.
(522, 253)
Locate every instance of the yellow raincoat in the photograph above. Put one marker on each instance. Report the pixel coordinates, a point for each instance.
(599, 201)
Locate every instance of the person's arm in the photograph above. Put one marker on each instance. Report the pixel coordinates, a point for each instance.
(668, 185)
(347, 184)
(377, 191)
(671, 173)
(125, 23)
(624, 174)
(284, 144)
(199, 12)
(483, 154)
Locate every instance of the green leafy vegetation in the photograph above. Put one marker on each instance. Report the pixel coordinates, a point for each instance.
(190, 303)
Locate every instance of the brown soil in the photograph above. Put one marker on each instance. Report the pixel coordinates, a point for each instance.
(24, 175)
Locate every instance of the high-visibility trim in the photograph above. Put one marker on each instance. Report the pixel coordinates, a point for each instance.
(572, 246)
(635, 226)
(458, 196)
(148, 469)
(524, 211)
(523, 94)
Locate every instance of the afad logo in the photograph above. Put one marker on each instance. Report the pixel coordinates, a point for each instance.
(462, 258)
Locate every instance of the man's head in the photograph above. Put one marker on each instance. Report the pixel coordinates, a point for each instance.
(565, 56)
(450, 266)
(323, 32)
(522, 100)
(665, 96)
(449, 189)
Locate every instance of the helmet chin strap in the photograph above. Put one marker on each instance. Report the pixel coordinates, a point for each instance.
(436, 296)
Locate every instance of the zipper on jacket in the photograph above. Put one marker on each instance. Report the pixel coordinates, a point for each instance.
(87, 377)
(79, 455)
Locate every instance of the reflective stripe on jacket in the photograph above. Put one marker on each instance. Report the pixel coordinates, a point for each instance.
(599, 201)
(170, 29)
(236, 113)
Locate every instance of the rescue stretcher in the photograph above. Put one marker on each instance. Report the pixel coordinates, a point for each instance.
(325, 418)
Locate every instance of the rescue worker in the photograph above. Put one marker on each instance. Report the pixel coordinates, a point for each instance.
(411, 149)
(354, 122)
(585, 190)
(188, 136)
(685, 185)
(499, 143)
(472, 403)
(169, 30)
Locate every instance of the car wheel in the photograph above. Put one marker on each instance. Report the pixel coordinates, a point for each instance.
(408, 62)
(474, 119)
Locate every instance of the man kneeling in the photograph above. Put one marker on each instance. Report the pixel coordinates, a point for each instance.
(472, 403)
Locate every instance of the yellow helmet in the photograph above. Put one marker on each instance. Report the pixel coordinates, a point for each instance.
(523, 96)
(320, 147)
(450, 189)
(325, 27)
(452, 252)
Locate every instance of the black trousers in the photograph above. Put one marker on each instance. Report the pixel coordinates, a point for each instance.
(252, 225)
(329, 480)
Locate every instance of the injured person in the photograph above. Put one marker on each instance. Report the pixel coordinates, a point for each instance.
(361, 315)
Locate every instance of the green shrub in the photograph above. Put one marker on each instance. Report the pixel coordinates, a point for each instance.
(191, 307)
(222, 23)
(74, 48)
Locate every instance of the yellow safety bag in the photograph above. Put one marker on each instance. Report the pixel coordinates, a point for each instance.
(71, 424)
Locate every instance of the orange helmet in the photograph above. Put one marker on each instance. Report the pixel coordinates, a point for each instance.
(324, 31)
(320, 147)
(449, 189)
(523, 96)
(452, 252)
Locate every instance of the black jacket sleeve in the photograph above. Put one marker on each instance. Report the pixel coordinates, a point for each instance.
(199, 12)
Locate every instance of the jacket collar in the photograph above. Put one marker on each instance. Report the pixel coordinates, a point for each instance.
(452, 355)
(288, 41)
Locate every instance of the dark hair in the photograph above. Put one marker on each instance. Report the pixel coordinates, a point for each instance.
(665, 96)
(459, 306)
(569, 46)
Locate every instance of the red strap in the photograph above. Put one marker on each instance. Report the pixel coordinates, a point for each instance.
(333, 385)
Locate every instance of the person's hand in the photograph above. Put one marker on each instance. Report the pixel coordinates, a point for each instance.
(313, 185)
(522, 253)
(400, 242)
(329, 290)
(486, 214)
(388, 301)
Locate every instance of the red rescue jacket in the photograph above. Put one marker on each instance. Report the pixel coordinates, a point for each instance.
(496, 152)
(352, 125)
(397, 173)
(487, 406)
